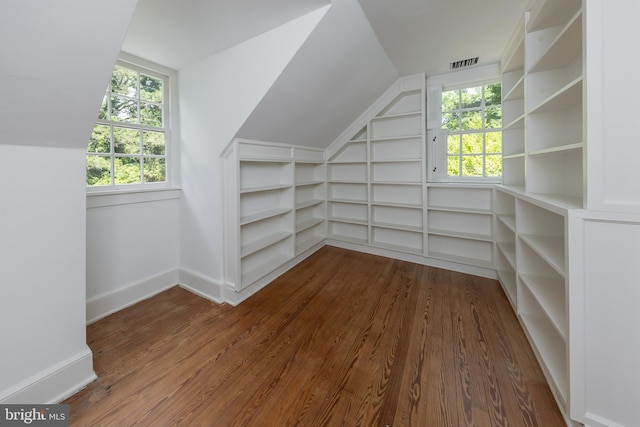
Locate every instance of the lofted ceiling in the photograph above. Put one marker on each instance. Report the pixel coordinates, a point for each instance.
(427, 35)
(175, 33)
(417, 35)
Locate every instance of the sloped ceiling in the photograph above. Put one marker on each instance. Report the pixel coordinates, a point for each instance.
(336, 74)
(175, 33)
(354, 54)
(427, 35)
(55, 63)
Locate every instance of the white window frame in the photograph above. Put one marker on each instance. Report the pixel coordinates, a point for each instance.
(437, 137)
(169, 78)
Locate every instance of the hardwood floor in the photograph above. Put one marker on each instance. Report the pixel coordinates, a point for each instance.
(342, 339)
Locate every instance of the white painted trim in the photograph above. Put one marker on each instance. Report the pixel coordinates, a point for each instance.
(234, 297)
(114, 198)
(105, 304)
(54, 384)
(201, 285)
(418, 259)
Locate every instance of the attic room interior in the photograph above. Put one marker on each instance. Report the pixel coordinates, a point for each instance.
(320, 159)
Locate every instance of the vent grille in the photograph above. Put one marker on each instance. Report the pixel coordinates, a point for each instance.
(464, 63)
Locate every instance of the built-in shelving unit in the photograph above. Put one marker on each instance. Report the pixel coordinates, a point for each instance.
(275, 206)
(379, 201)
(542, 288)
(460, 223)
(543, 178)
(554, 106)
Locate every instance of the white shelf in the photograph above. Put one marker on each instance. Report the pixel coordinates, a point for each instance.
(550, 295)
(397, 205)
(307, 183)
(393, 226)
(309, 203)
(460, 235)
(308, 224)
(461, 259)
(551, 13)
(563, 49)
(264, 242)
(348, 220)
(354, 202)
(460, 210)
(508, 220)
(551, 249)
(564, 98)
(517, 91)
(557, 149)
(551, 351)
(248, 219)
(393, 116)
(264, 268)
(396, 138)
(509, 252)
(263, 188)
(517, 123)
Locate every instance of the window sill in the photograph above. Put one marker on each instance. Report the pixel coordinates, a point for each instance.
(124, 197)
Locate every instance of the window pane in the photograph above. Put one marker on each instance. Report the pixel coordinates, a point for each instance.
(493, 118)
(494, 165)
(103, 114)
(492, 94)
(124, 81)
(150, 89)
(127, 170)
(100, 141)
(154, 170)
(472, 143)
(472, 120)
(453, 144)
(126, 141)
(153, 142)
(472, 166)
(150, 114)
(124, 109)
(494, 142)
(451, 121)
(450, 100)
(453, 165)
(471, 97)
(98, 170)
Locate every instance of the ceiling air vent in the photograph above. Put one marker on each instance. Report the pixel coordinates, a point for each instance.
(464, 63)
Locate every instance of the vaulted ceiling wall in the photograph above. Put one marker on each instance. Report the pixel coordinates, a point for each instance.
(335, 75)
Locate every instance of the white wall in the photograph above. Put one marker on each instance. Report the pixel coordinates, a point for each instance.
(216, 97)
(132, 252)
(56, 62)
(42, 272)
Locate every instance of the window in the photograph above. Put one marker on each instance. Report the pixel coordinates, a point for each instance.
(128, 145)
(473, 118)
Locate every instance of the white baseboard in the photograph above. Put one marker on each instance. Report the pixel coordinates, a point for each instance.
(201, 285)
(103, 305)
(431, 262)
(54, 384)
(234, 297)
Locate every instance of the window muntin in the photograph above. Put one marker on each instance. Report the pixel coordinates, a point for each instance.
(128, 145)
(473, 118)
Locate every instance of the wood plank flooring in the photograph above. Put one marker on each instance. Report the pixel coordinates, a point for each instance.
(342, 339)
